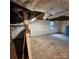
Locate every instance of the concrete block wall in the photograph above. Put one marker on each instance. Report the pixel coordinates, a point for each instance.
(41, 28)
(16, 31)
(57, 26)
(37, 28)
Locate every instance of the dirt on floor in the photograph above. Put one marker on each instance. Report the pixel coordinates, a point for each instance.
(44, 47)
(48, 48)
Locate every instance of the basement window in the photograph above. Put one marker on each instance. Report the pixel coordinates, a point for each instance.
(52, 25)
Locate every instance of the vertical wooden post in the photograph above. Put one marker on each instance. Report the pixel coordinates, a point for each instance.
(27, 35)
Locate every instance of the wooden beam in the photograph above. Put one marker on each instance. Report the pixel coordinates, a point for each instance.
(61, 18)
(15, 5)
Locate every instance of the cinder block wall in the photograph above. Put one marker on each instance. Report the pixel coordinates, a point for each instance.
(37, 28)
(41, 28)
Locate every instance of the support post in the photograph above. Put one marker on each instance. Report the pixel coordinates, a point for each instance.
(27, 35)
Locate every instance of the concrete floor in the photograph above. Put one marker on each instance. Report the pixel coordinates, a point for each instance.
(60, 37)
(47, 47)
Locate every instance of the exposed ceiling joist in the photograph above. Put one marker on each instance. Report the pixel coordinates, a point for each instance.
(61, 18)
